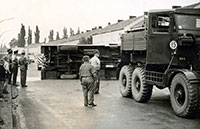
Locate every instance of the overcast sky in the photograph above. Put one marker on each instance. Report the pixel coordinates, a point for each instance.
(86, 14)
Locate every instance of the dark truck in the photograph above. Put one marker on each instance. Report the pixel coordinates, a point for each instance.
(163, 50)
(64, 60)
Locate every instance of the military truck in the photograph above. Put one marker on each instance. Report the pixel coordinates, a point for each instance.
(163, 50)
(64, 60)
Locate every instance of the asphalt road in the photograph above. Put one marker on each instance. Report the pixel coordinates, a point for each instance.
(58, 104)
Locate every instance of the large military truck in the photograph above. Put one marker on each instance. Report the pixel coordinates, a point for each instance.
(163, 50)
(64, 60)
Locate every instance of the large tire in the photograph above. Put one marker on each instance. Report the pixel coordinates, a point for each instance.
(125, 81)
(184, 96)
(140, 90)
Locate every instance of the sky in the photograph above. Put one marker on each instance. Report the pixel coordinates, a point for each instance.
(57, 14)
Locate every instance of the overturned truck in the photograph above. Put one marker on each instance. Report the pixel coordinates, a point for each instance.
(163, 50)
(64, 60)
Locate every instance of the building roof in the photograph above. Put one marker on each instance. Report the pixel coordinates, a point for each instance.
(196, 5)
(118, 26)
(110, 28)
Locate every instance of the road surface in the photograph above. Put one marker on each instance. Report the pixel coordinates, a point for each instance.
(58, 104)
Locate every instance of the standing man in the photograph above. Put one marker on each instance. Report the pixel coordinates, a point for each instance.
(7, 59)
(14, 67)
(87, 74)
(23, 69)
(2, 77)
(97, 65)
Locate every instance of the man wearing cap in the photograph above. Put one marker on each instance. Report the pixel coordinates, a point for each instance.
(23, 69)
(14, 67)
(96, 63)
(88, 76)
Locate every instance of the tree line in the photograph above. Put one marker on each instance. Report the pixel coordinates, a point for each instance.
(21, 40)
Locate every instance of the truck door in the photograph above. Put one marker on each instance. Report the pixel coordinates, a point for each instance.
(158, 51)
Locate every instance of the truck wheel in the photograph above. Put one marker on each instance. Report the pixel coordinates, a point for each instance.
(125, 81)
(140, 90)
(184, 96)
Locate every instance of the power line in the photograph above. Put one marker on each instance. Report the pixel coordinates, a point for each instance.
(6, 19)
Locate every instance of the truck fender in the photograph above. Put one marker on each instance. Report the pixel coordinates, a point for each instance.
(192, 76)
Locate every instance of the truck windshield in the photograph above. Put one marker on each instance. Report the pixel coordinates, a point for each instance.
(187, 22)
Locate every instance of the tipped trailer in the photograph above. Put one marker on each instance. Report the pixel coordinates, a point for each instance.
(163, 50)
(64, 60)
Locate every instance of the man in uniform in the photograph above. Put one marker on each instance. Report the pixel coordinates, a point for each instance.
(14, 67)
(96, 63)
(23, 69)
(8, 66)
(2, 82)
(87, 74)
(2, 77)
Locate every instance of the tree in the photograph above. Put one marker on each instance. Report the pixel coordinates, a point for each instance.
(18, 39)
(71, 32)
(29, 41)
(78, 31)
(37, 35)
(21, 36)
(45, 39)
(83, 40)
(13, 43)
(51, 35)
(57, 36)
(89, 40)
(65, 36)
(86, 40)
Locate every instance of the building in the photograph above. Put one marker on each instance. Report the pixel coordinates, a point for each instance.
(111, 34)
(195, 6)
(33, 49)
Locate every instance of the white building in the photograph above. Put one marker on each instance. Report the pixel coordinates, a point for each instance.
(33, 49)
(111, 35)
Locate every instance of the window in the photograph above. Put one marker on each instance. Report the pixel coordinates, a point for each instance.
(160, 23)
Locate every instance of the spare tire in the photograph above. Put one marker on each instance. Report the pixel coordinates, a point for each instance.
(125, 81)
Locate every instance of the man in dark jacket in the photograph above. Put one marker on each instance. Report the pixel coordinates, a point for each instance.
(8, 66)
(2, 78)
(88, 76)
(23, 69)
(14, 67)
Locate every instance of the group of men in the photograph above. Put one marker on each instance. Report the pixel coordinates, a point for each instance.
(9, 70)
(90, 78)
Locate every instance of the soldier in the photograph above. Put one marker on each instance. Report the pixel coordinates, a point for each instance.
(8, 66)
(96, 63)
(23, 69)
(87, 74)
(2, 77)
(14, 67)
